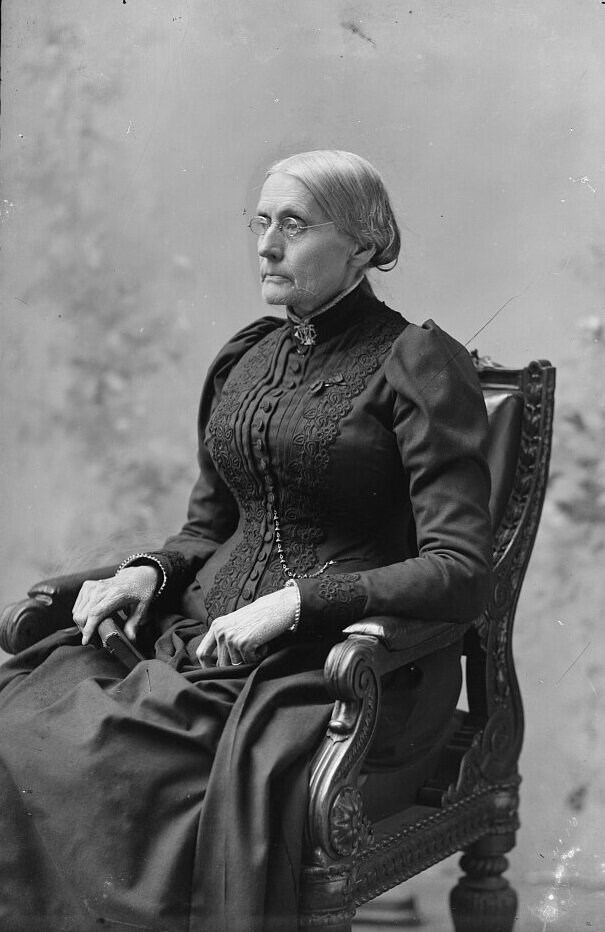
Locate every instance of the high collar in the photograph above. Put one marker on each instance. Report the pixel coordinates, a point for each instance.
(337, 316)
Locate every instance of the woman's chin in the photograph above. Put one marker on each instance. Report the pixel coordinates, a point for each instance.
(277, 292)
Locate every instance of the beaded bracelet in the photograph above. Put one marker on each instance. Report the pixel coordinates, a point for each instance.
(129, 561)
(291, 584)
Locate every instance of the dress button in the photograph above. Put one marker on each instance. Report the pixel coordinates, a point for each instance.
(247, 594)
(266, 405)
(262, 557)
(290, 383)
(254, 574)
(259, 426)
(260, 445)
(295, 365)
(268, 536)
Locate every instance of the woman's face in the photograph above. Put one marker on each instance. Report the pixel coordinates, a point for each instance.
(308, 270)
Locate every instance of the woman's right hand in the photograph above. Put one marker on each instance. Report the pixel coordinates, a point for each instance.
(131, 590)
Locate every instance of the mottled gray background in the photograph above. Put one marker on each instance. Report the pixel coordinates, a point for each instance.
(134, 138)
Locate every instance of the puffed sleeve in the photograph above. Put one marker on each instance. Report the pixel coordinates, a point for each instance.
(212, 513)
(440, 424)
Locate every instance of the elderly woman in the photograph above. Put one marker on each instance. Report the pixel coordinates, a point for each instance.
(342, 475)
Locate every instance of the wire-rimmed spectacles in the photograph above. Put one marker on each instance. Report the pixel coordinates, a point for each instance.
(289, 226)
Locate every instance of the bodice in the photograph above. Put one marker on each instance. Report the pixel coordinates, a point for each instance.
(370, 446)
(307, 432)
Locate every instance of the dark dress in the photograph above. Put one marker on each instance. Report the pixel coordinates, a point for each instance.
(173, 798)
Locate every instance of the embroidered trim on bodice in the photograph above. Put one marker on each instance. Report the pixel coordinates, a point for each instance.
(302, 499)
(306, 501)
(245, 486)
(344, 597)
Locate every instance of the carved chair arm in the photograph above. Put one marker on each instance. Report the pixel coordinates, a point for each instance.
(47, 609)
(376, 646)
(407, 639)
(352, 672)
(62, 590)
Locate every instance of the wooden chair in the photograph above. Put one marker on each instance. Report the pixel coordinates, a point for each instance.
(367, 832)
(469, 794)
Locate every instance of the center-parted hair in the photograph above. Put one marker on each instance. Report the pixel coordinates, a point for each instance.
(352, 194)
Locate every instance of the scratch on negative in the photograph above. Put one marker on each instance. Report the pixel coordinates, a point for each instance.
(354, 28)
(584, 180)
(130, 925)
(581, 654)
(476, 334)
(148, 679)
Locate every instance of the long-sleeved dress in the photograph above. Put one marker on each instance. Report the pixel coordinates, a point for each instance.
(173, 798)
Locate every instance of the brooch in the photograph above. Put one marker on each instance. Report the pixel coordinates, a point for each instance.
(306, 334)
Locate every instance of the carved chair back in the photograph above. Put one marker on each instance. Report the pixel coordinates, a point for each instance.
(520, 405)
(469, 800)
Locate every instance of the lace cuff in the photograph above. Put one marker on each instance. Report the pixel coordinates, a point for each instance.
(176, 569)
(332, 602)
(291, 584)
(142, 558)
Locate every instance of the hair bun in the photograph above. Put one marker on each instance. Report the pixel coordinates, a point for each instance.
(352, 194)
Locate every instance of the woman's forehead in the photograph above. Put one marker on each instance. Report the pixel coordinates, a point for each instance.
(283, 194)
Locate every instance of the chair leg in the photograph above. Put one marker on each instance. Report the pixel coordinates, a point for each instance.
(326, 900)
(483, 900)
(335, 923)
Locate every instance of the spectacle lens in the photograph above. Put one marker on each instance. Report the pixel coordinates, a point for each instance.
(288, 226)
(291, 227)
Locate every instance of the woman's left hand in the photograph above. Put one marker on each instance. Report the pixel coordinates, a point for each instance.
(243, 635)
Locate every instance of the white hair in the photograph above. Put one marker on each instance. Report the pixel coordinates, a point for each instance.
(352, 194)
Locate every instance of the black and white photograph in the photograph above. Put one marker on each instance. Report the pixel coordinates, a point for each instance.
(302, 407)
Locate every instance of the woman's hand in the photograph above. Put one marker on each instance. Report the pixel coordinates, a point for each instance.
(132, 590)
(243, 635)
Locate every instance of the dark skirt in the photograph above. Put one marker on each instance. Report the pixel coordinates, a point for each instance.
(172, 798)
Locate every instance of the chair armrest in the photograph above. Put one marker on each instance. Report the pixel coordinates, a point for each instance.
(47, 609)
(405, 640)
(63, 590)
(353, 670)
(378, 644)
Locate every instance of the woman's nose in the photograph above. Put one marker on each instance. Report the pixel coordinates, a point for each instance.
(271, 243)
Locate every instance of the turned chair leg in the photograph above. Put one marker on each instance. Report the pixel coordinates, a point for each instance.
(483, 900)
(328, 901)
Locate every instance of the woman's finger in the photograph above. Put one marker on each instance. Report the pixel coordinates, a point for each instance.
(91, 615)
(231, 643)
(206, 651)
(235, 657)
(91, 596)
(82, 598)
(91, 625)
(223, 657)
(136, 620)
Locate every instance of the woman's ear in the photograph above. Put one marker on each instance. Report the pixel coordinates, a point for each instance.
(361, 255)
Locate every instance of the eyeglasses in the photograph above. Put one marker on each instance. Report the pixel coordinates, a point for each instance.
(289, 226)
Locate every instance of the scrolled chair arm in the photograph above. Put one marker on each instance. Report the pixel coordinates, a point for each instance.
(47, 609)
(353, 670)
(407, 639)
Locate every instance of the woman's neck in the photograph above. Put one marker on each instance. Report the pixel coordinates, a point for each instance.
(297, 316)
